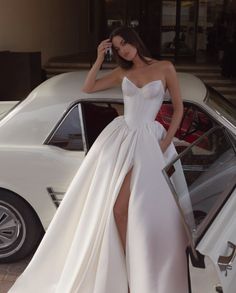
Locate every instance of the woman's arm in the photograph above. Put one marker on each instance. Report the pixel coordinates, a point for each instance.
(92, 83)
(174, 90)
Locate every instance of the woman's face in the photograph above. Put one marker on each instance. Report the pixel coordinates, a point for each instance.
(124, 49)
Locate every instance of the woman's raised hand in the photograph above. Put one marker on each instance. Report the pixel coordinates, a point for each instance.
(102, 47)
(92, 83)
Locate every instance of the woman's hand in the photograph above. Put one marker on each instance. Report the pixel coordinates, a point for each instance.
(92, 83)
(102, 47)
(163, 145)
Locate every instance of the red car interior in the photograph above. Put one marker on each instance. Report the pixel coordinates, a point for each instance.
(193, 125)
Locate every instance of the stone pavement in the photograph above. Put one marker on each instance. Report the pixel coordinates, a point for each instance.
(10, 272)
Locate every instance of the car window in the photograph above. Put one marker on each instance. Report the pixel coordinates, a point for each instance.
(195, 122)
(68, 134)
(209, 166)
(96, 116)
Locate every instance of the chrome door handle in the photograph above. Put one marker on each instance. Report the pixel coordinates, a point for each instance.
(225, 262)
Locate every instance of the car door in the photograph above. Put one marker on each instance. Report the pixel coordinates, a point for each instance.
(96, 116)
(209, 166)
(72, 138)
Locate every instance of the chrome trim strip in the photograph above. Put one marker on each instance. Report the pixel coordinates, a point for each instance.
(191, 145)
(53, 194)
(195, 168)
(82, 128)
(188, 232)
(231, 138)
(58, 125)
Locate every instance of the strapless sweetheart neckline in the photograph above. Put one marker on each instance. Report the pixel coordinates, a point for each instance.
(145, 85)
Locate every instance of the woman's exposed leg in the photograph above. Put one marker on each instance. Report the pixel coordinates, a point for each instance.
(121, 208)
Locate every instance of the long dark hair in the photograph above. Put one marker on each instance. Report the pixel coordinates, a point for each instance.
(131, 37)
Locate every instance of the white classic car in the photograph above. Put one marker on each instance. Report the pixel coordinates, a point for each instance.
(44, 138)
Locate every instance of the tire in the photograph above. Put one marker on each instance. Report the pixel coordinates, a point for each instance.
(20, 228)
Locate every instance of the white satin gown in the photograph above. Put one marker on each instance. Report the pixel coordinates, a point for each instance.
(81, 251)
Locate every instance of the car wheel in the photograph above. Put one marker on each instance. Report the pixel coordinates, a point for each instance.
(20, 227)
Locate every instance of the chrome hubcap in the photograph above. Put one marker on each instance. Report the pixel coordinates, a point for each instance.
(9, 226)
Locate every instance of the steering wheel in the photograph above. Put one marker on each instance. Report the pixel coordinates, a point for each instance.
(193, 123)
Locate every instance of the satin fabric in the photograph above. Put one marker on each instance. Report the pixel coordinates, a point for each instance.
(81, 251)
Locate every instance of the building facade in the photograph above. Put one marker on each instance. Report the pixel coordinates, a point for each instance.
(178, 29)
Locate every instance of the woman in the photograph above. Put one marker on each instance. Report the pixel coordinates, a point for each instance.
(121, 227)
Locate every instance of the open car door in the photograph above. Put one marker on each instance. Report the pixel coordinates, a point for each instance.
(209, 166)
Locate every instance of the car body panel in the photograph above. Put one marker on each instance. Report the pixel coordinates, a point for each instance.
(210, 174)
(6, 106)
(33, 119)
(36, 171)
(204, 280)
(214, 242)
(213, 245)
(32, 170)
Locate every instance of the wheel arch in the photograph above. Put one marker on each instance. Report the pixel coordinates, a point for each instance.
(21, 230)
(24, 200)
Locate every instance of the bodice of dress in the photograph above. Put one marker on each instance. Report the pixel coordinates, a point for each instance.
(141, 105)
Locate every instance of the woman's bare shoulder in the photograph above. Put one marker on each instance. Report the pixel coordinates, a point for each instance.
(118, 72)
(162, 64)
(115, 75)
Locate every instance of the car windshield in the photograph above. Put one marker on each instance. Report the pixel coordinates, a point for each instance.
(225, 107)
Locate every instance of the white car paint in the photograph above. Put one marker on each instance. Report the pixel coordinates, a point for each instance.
(28, 170)
(24, 130)
(6, 106)
(223, 229)
(28, 166)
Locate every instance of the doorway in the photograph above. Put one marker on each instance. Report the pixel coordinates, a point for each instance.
(179, 29)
